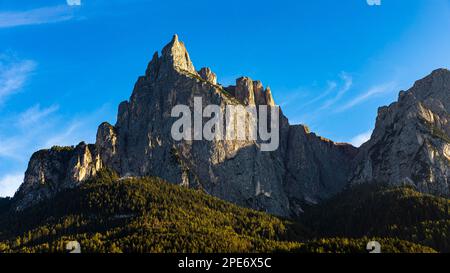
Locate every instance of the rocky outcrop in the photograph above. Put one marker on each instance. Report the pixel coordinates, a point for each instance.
(208, 75)
(244, 91)
(411, 141)
(106, 145)
(305, 168)
(251, 92)
(269, 98)
(174, 57)
(258, 91)
(50, 171)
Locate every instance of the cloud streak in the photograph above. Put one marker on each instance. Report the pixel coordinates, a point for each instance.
(360, 139)
(370, 93)
(347, 84)
(25, 131)
(74, 2)
(10, 183)
(35, 114)
(44, 128)
(13, 75)
(38, 128)
(332, 85)
(37, 16)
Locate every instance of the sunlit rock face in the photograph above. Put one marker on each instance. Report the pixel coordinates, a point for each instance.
(208, 75)
(50, 171)
(305, 167)
(410, 143)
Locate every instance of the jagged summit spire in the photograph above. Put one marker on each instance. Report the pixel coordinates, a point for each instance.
(269, 97)
(174, 57)
(174, 38)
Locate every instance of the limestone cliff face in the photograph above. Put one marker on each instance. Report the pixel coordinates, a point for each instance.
(316, 168)
(411, 140)
(51, 171)
(305, 168)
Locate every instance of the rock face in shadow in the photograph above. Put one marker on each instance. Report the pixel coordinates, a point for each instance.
(316, 168)
(410, 143)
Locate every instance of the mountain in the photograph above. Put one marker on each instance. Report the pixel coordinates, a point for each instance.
(410, 145)
(411, 141)
(112, 214)
(304, 167)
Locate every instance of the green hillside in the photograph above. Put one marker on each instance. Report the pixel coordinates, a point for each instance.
(108, 214)
(374, 210)
(143, 215)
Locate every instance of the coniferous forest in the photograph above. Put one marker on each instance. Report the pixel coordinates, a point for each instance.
(113, 215)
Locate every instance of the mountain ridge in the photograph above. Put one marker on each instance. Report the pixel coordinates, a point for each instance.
(306, 168)
(410, 144)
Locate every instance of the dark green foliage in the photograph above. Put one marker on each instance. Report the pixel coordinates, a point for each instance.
(143, 215)
(5, 204)
(374, 210)
(62, 148)
(108, 214)
(346, 245)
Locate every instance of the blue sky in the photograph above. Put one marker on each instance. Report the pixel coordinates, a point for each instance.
(66, 64)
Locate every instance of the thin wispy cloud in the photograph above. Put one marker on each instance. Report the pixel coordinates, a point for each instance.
(35, 114)
(331, 86)
(9, 147)
(13, 75)
(25, 130)
(37, 127)
(347, 84)
(292, 97)
(68, 137)
(74, 2)
(360, 139)
(36, 16)
(370, 93)
(9, 183)
(331, 94)
(82, 127)
(45, 127)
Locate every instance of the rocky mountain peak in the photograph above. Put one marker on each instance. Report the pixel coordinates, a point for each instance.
(411, 140)
(433, 85)
(174, 57)
(140, 144)
(410, 144)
